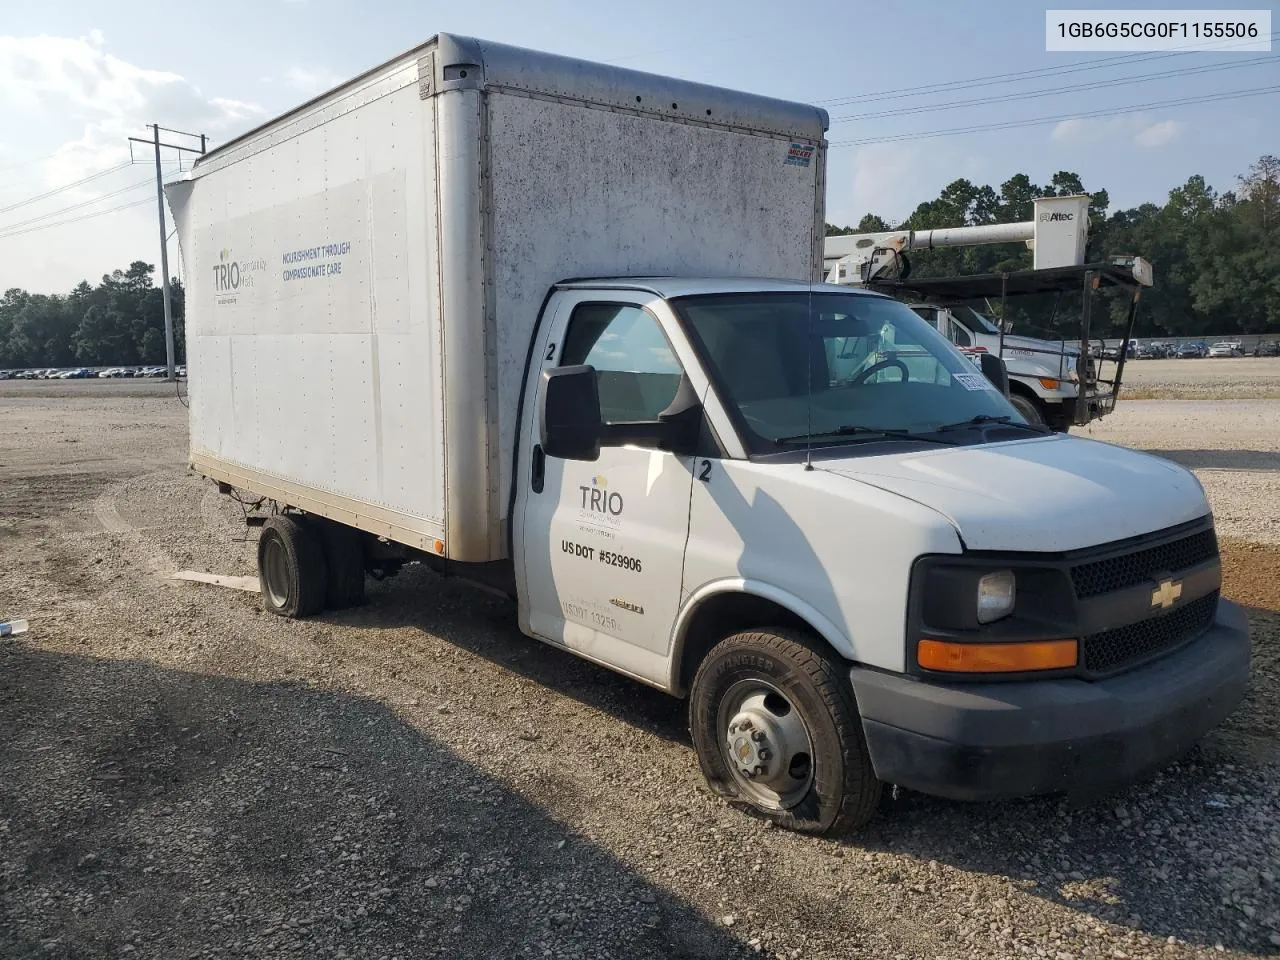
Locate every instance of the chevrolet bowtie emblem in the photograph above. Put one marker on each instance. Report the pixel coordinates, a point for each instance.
(1164, 595)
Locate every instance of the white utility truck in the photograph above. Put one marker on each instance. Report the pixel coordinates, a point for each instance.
(1051, 381)
(500, 312)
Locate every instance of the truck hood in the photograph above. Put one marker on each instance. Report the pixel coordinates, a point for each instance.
(1041, 494)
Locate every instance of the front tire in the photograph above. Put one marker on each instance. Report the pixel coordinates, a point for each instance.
(291, 567)
(775, 726)
(1029, 409)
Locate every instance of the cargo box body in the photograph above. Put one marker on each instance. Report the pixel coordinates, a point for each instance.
(365, 273)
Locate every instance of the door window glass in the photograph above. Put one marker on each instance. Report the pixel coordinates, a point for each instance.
(637, 372)
(959, 335)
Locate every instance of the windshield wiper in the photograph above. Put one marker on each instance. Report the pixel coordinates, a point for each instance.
(983, 419)
(853, 429)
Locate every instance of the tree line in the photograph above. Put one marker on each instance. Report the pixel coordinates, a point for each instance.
(118, 322)
(1216, 256)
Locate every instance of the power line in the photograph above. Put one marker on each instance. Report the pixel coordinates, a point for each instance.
(83, 216)
(1037, 121)
(1054, 91)
(75, 206)
(992, 79)
(38, 178)
(65, 187)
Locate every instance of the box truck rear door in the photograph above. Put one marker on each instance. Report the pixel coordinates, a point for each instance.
(602, 545)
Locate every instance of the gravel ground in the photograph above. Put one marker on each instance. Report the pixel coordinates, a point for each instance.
(1233, 447)
(1220, 378)
(185, 776)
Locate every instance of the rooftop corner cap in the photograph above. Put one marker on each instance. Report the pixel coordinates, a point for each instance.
(459, 63)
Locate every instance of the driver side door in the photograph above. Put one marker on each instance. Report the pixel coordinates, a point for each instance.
(601, 544)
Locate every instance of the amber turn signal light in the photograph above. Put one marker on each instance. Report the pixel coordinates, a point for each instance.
(996, 657)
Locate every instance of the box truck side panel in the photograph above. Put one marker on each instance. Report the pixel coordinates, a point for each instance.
(313, 323)
(585, 191)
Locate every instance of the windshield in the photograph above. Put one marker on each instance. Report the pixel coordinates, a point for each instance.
(974, 320)
(858, 361)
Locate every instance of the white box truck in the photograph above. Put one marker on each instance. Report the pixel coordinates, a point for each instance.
(502, 312)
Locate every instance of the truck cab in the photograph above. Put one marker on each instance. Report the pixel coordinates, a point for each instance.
(803, 508)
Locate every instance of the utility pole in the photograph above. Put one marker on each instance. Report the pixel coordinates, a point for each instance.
(164, 232)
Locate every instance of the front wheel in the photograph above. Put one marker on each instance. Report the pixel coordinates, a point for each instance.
(1029, 409)
(775, 726)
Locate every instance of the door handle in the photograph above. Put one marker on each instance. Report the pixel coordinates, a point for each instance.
(539, 468)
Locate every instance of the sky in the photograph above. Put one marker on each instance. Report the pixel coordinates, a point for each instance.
(77, 78)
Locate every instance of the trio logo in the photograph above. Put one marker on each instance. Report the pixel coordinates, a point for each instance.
(599, 501)
(231, 275)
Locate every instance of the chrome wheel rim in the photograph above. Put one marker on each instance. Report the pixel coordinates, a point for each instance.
(766, 744)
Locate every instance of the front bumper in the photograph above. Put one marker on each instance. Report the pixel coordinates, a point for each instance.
(987, 741)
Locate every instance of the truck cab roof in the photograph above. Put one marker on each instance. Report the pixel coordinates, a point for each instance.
(671, 287)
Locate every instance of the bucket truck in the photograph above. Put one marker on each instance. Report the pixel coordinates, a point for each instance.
(1045, 375)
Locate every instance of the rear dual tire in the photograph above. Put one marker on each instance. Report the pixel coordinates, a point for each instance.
(307, 564)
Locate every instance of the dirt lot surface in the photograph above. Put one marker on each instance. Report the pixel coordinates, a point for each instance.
(183, 776)
(1233, 447)
(1220, 378)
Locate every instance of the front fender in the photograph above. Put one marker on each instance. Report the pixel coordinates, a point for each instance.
(819, 623)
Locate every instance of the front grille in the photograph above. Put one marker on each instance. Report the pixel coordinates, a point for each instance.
(1113, 650)
(1131, 569)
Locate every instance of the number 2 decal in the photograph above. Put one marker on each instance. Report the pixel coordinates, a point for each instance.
(551, 351)
(705, 473)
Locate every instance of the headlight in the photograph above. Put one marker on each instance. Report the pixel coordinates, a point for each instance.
(996, 593)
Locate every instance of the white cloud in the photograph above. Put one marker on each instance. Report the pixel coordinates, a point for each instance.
(888, 179)
(1158, 134)
(1138, 129)
(311, 81)
(108, 97)
(1075, 131)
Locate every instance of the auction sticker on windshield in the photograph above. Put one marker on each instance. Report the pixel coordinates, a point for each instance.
(973, 381)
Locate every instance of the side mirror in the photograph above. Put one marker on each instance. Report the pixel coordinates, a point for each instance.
(569, 426)
(993, 369)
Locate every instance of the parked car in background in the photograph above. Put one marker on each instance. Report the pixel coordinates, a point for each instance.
(1153, 350)
(1225, 348)
(1267, 348)
(1191, 349)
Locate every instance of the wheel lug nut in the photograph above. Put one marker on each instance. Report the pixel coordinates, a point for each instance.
(757, 735)
(764, 754)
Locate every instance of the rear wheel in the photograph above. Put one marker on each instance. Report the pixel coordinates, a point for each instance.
(1029, 409)
(775, 726)
(291, 567)
(344, 562)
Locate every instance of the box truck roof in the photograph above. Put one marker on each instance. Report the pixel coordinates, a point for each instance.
(670, 288)
(448, 61)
